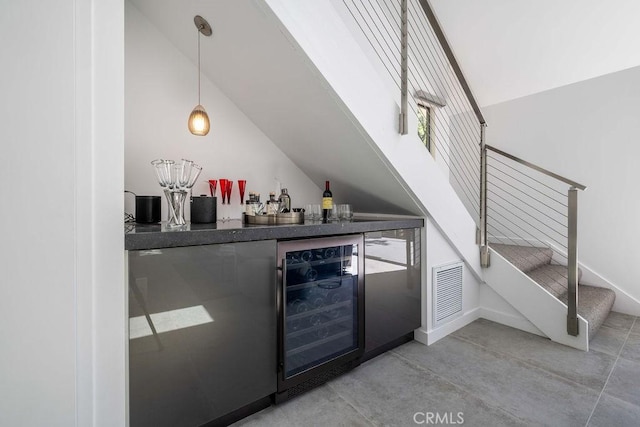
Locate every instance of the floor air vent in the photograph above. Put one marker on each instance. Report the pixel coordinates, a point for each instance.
(447, 292)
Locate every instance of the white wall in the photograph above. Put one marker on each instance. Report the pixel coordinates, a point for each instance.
(514, 48)
(439, 252)
(38, 310)
(161, 91)
(62, 329)
(110, 329)
(587, 132)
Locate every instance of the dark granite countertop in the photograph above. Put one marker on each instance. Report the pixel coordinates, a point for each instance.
(142, 236)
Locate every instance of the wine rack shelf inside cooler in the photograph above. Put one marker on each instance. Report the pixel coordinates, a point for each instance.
(311, 308)
(293, 263)
(320, 309)
(317, 343)
(327, 284)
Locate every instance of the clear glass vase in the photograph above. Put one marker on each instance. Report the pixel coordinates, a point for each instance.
(176, 200)
(176, 179)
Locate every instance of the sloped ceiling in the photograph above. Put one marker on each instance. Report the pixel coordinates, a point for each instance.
(257, 67)
(513, 48)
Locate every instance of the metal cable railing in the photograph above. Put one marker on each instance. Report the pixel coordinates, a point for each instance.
(518, 203)
(432, 81)
(528, 206)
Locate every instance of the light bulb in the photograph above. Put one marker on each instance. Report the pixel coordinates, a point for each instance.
(199, 121)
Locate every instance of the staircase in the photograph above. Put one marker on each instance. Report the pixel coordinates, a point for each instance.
(594, 304)
(523, 215)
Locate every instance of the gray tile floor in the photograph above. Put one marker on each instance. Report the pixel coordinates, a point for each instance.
(485, 374)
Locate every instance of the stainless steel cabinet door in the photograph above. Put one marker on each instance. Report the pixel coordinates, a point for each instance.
(202, 331)
(392, 285)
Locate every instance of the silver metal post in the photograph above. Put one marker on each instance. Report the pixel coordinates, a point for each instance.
(485, 258)
(572, 263)
(403, 122)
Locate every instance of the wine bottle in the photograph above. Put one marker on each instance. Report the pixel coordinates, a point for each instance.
(306, 273)
(327, 202)
(329, 253)
(296, 307)
(311, 275)
(315, 320)
(323, 332)
(338, 295)
(306, 256)
(316, 297)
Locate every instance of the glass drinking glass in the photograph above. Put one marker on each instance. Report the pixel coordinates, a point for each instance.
(308, 213)
(173, 175)
(183, 174)
(176, 174)
(212, 187)
(223, 188)
(345, 212)
(193, 175)
(158, 167)
(229, 188)
(242, 184)
(163, 171)
(333, 215)
(166, 179)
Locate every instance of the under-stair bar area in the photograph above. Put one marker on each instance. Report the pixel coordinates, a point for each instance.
(531, 220)
(409, 43)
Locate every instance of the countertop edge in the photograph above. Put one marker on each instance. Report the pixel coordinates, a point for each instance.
(181, 238)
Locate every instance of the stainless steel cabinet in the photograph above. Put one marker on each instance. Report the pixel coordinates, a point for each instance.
(202, 331)
(392, 287)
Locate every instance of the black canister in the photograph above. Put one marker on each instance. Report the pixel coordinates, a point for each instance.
(203, 209)
(148, 209)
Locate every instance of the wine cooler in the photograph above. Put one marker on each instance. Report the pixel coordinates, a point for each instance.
(320, 311)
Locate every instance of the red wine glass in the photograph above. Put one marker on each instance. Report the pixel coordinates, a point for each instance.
(229, 188)
(242, 184)
(223, 188)
(213, 183)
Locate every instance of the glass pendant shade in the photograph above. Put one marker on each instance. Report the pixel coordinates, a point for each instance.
(199, 121)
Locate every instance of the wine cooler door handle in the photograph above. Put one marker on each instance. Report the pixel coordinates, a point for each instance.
(282, 319)
(284, 275)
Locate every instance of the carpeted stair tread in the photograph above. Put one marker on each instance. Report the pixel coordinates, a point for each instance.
(594, 304)
(553, 278)
(525, 258)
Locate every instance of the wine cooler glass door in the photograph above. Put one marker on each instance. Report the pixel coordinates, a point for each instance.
(321, 306)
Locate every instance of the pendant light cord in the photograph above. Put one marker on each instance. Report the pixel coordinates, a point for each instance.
(199, 29)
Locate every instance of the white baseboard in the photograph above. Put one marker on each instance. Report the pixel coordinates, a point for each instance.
(429, 337)
(507, 319)
(517, 322)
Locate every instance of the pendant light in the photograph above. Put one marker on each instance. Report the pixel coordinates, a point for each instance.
(198, 119)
